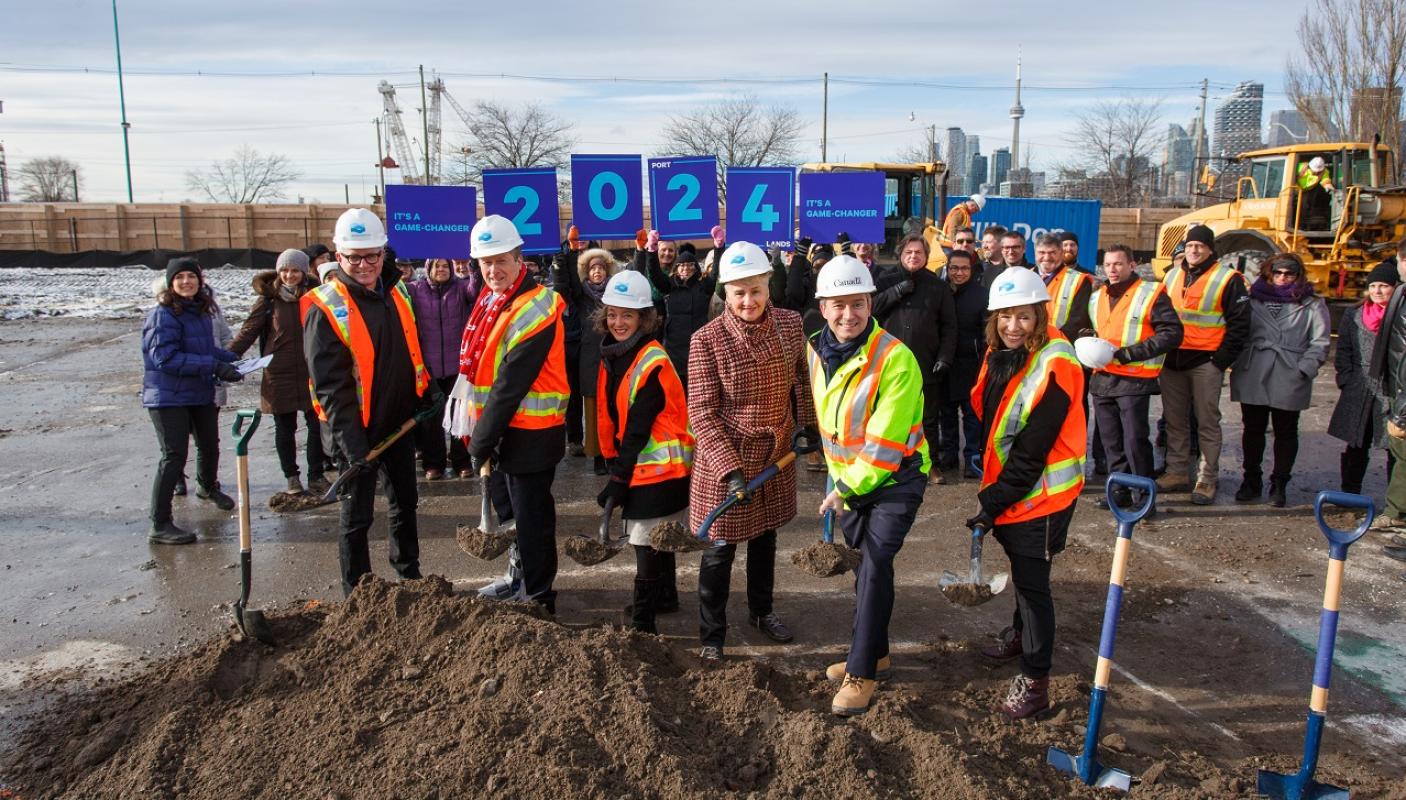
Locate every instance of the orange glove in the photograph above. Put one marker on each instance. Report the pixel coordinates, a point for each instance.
(641, 238)
(573, 237)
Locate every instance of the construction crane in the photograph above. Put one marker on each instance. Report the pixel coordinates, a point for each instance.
(434, 130)
(410, 162)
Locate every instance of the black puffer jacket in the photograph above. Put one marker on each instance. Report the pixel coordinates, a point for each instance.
(918, 308)
(1389, 357)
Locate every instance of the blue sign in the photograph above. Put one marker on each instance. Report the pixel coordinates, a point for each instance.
(842, 202)
(528, 197)
(430, 221)
(606, 196)
(683, 196)
(1035, 217)
(761, 205)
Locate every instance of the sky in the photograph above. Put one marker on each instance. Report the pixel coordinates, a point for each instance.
(203, 78)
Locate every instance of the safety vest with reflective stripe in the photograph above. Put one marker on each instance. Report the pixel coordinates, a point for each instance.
(1062, 288)
(959, 217)
(1063, 476)
(870, 412)
(334, 300)
(1308, 179)
(1200, 309)
(545, 403)
(669, 452)
(1127, 323)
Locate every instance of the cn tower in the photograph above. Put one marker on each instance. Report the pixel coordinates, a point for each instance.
(1017, 111)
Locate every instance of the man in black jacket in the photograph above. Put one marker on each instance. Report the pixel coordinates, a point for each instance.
(969, 297)
(1388, 365)
(362, 318)
(916, 306)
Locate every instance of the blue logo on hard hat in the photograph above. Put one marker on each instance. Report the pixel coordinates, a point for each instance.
(738, 259)
(1008, 286)
(622, 287)
(358, 228)
(486, 236)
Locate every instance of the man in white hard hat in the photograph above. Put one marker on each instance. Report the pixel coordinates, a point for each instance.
(960, 217)
(511, 395)
(368, 379)
(868, 392)
(1315, 183)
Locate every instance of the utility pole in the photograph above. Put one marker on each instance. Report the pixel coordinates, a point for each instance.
(380, 158)
(824, 117)
(932, 142)
(4, 177)
(1198, 165)
(425, 120)
(466, 151)
(74, 174)
(122, 101)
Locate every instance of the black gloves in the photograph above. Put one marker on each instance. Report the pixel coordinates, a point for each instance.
(842, 239)
(802, 247)
(940, 367)
(614, 489)
(737, 485)
(227, 372)
(1121, 355)
(983, 521)
(805, 439)
(477, 462)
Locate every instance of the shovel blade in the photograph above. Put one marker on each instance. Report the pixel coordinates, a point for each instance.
(589, 551)
(1090, 773)
(1293, 787)
(252, 624)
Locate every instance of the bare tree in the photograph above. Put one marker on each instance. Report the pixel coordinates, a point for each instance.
(739, 132)
(1345, 76)
(52, 179)
(1117, 141)
(247, 177)
(503, 136)
(914, 153)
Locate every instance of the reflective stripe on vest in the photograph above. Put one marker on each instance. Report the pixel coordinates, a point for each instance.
(669, 452)
(844, 433)
(1126, 324)
(1202, 317)
(544, 406)
(1308, 180)
(1062, 291)
(334, 300)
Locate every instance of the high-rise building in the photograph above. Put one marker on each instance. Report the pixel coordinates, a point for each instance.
(955, 146)
(1239, 119)
(1000, 166)
(1286, 126)
(976, 173)
(1017, 112)
(1177, 156)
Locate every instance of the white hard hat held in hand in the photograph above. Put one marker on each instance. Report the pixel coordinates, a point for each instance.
(842, 276)
(1093, 352)
(742, 260)
(493, 235)
(359, 229)
(1317, 164)
(628, 289)
(1017, 286)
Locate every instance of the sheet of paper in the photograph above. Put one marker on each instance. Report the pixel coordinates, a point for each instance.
(249, 365)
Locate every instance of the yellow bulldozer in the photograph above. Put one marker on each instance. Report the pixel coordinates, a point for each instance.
(1340, 235)
(913, 194)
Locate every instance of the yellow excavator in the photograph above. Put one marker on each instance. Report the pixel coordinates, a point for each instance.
(913, 194)
(1362, 220)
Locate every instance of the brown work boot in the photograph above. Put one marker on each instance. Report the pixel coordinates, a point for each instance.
(1173, 483)
(1028, 697)
(295, 486)
(937, 478)
(1205, 492)
(1007, 646)
(854, 696)
(836, 671)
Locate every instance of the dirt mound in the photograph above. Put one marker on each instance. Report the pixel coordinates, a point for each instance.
(407, 690)
(482, 544)
(293, 502)
(826, 560)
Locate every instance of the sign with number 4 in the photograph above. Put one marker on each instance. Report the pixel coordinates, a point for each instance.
(683, 196)
(761, 205)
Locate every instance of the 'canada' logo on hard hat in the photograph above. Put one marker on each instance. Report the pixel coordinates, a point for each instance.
(358, 228)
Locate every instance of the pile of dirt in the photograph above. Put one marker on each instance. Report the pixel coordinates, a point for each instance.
(481, 544)
(967, 594)
(588, 550)
(293, 502)
(826, 560)
(406, 690)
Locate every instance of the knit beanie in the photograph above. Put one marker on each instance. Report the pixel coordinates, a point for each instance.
(1202, 234)
(1384, 272)
(294, 258)
(687, 254)
(176, 266)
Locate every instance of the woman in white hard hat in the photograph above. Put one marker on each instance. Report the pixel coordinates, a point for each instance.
(642, 421)
(747, 372)
(868, 391)
(1028, 398)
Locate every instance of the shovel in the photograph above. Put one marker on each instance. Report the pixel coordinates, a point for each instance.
(486, 541)
(825, 559)
(1086, 767)
(423, 415)
(251, 621)
(973, 589)
(1302, 784)
(674, 538)
(589, 551)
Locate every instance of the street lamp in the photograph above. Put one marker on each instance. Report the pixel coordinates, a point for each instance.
(122, 101)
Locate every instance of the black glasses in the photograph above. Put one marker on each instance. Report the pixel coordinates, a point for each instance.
(374, 258)
(966, 241)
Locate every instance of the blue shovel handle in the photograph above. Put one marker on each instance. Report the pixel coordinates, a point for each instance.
(752, 486)
(1126, 481)
(1338, 540)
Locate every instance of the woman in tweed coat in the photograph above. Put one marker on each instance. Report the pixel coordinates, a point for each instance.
(747, 392)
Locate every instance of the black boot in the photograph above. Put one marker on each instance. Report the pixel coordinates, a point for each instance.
(1251, 488)
(168, 533)
(221, 500)
(1278, 492)
(598, 466)
(1353, 466)
(642, 607)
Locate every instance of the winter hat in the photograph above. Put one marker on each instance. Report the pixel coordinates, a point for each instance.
(315, 250)
(1202, 234)
(1069, 236)
(176, 266)
(1384, 272)
(687, 254)
(296, 259)
(824, 251)
(583, 262)
(323, 269)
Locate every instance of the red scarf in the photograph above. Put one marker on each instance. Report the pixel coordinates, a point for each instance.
(481, 321)
(1372, 316)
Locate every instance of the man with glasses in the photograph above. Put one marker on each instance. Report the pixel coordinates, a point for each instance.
(990, 255)
(969, 298)
(1012, 255)
(368, 379)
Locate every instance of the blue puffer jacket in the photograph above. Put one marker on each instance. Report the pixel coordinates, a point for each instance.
(178, 358)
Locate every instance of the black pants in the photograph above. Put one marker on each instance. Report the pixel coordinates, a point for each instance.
(1356, 457)
(1286, 440)
(397, 467)
(956, 400)
(285, 441)
(878, 532)
(653, 569)
(536, 514)
(430, 436)
(575, 403)
(933, 423)
(1034, 618)
(715, 583)
(174, 427)
(1124, 428)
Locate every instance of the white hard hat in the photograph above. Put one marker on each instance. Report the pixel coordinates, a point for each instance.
(843, 275)
(1093, 352)
(493, 235)
(628, 289)
(323, 269)
(979, 199)
(1017, 286)
(1317, 164)
(358, 229)
(742, 260)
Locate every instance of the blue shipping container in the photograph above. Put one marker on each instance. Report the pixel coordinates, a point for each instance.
(1035, 218)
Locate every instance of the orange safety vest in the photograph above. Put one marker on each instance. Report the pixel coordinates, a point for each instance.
(334, 300)
(959, 217)
(1199, 306)
(545, 404)
(1126, 324)
(669, 452)
(1063, 476)
(1062, 290)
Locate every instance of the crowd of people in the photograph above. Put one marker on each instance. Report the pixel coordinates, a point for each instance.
(682, 378)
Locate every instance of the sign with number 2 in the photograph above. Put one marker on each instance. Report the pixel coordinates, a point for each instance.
(683, 196)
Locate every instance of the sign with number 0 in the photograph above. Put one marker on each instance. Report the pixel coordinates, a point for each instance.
(606, 196)
(683, 196)
(761, 205)
(528, 197)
